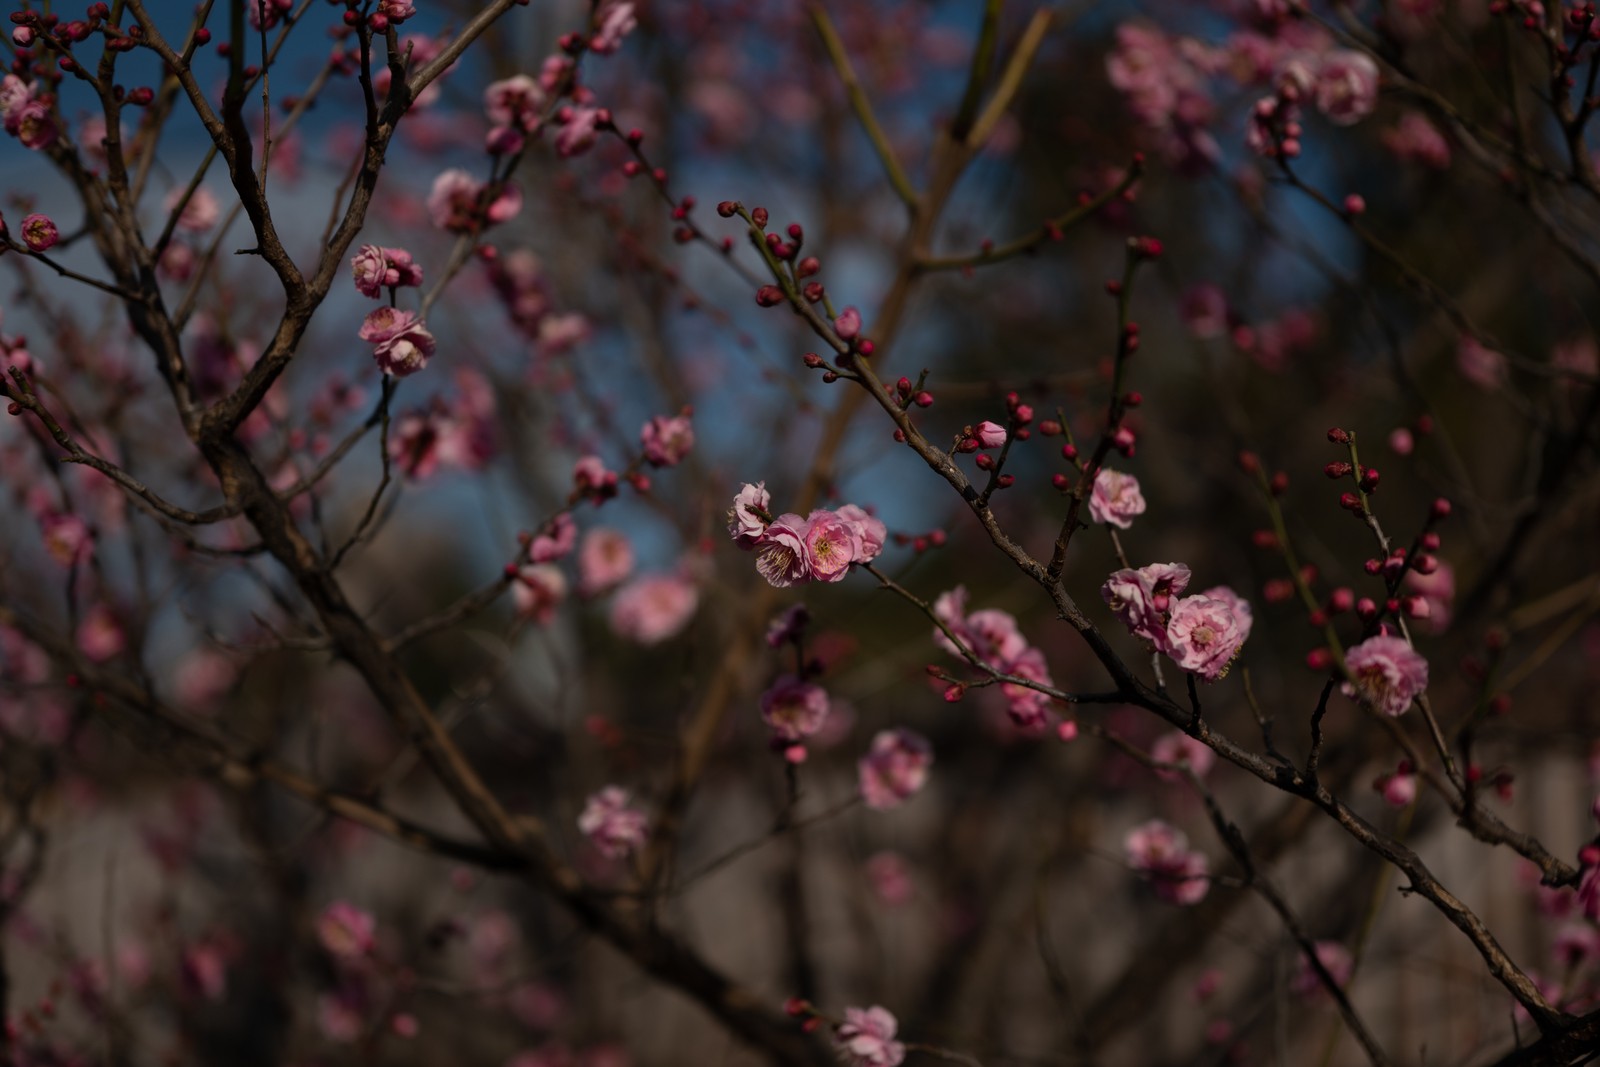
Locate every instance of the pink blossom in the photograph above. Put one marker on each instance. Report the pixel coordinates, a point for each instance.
(614, 21)
(1335, 959)
(1480, 365)
(1178, 747)
(39, 233)
(265, 14)
(1399, 789)
(14, 92)
(890, 877)
(605, 559)
(1203, 636)
(591, 478)
(1141, 598)
(611, 825)
(1418, 140)
(517, 101)
(1162, 852)
(406, 352)
(100, 635)
(555, 541)
(667, 440)
(537, 591)
(866, 1038)
(653, 608)
(781, 552)
(200, 213)
(454, 202)
(829, 546)
(989, 434)
(1576, 944)
(1025, 705)
(1438, 591)
(894, 768)
(990, 634)
(562, 333)
(66, 538)
(203, 678)
(579, 132)
(205, 971)
(341, 1014)
(375, 269)
(414, 444)
(868, 532)
(1116, 498)
(848, 324)
(1205, 311)
(745, 522)
(1385, 673)
(346, 931)
(33, 125)
(1347, 87)
(397, 11)
(793, 708)
(385, 324)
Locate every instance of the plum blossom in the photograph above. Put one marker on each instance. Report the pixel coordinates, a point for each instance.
(1399, 789)
(580, 128)
(794, 709)
(1142, 597)
(200, 212)
(867, 531)
(517, 101)
(989, 434)
(1116, 498)
(1162, 852)
(555, 541)
(100, 636)
(611, 825)
(590, 478)
(402, 344)
(894, 768)
(653, 608)
(454, 202)
(32, 124)
(829, 546)
(1346, 86)
(746, 524)
(1204, 636)
(1418, 140)
(866, 1038)
(1385, 673)
(346, 931)
(67, 538)
(614, 21)
(375, 269)
(781, 552)
(995, 639)
(1438, 592)
(1178, 747)
(1480, 365)
(605, 559)
(265, 14)
(666, 440)
(537, 591)
(39, 233)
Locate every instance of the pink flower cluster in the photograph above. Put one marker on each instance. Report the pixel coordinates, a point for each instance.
(458, 433)
(611, 825)
(1335, 959)
(791, 550)
(613, 21)
(866, 1038)
(654, 607)
(346, 932)
(1162, 852)
(402, 343)
(1201, 634)
(894, 768)
(375, 269)
(995, 639)
(1385, 673)
(794, 709)
(461, 204)
(667, 439)
(25, 112)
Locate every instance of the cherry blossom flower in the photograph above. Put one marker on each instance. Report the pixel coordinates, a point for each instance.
(1142, 597)
(537, 591)
(1346, 86)
(611, 825)
(346, 931)
(1418, 140)
(517, 101)
(590, 478)
(579, 132)
(654, 608)
(1438, 591)
(32, 124)
(100, 636)
(39, 233)
(829, 546)
(406, 352)
(866, 1038)
(200, 213)
(867, 531)
(781, 552)
(666, 440)
(375, 269)
(556, 541)
(605, 559)
(1385, 673)
(614, 21)
(1335, 959)
(793, 708)
(1116, 498)
(453, 203)
(1399, 789)
(745, 522)
(1480, 365)
(894, 768)
(1161, 851)
(1203, 635)
(1178, 747)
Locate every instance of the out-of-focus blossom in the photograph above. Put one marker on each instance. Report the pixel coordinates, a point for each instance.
(866, 1038)
(1335, 959)
(537, 591)
(666, 439)
(613, 21)
(347, 932)
(894, 768)
(611, 825)
(654, 608)
(1115, 499)
(1162, 853)
(605, 559)
(793, 708)
(1386, 674)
